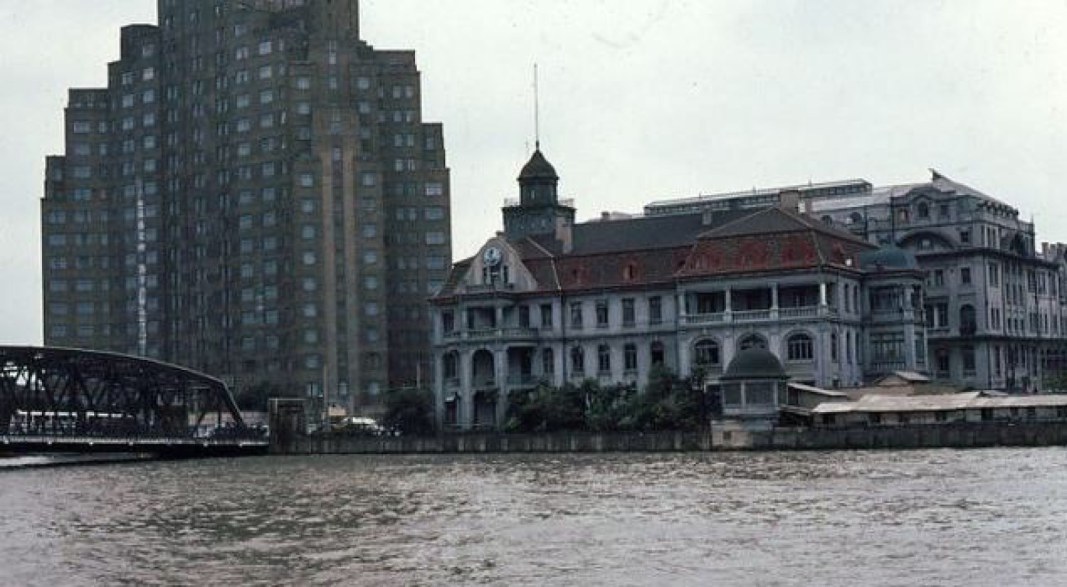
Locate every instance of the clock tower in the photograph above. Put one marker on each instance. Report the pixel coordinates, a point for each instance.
(539, 211)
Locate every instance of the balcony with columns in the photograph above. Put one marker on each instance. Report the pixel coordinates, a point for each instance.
(492, 323)
(485, 390)
(520, 369)
(895, 304)
(757, 304)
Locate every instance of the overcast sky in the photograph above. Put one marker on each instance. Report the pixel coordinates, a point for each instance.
(640, 100)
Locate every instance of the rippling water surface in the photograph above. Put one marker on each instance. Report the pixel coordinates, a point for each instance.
(981, 517)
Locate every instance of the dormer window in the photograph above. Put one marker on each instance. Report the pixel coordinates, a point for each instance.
(496, 275)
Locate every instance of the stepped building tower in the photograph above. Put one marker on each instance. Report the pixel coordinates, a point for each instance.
(255, 195)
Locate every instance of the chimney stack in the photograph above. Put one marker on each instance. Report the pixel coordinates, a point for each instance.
(790, 200)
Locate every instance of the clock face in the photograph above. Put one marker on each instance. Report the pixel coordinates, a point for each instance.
(492, 256)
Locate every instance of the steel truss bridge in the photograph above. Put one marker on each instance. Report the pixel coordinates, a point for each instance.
(72, 400)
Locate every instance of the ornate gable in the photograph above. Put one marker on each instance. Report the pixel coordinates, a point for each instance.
(498, 266)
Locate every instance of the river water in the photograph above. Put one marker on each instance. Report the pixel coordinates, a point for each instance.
(942, 517)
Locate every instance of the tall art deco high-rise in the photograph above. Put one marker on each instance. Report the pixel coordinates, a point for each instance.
(254, 194)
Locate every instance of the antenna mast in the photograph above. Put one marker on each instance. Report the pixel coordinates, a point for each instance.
(537, 112)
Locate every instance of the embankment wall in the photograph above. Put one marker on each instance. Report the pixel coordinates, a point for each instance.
(955, 435)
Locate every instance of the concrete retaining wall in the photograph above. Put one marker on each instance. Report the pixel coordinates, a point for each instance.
(500, 443)
(905, 437)
(288, 423)
(954, 435)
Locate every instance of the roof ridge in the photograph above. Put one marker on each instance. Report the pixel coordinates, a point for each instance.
(711, 233)
(819, 226)
(538, 245)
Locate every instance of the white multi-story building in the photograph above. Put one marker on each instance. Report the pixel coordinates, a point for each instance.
(552, 301)
(995, 306)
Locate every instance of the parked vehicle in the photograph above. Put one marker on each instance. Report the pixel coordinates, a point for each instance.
(360, 426)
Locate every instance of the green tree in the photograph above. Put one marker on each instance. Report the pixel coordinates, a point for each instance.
(667, 403)
(605, 407)
(254, 397)
(409, 411)
(546, 409)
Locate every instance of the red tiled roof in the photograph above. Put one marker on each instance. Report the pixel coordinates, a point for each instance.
(646, 251)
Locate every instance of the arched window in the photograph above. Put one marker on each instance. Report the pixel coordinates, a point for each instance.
(799, 347)
(752, 341)
(706, 352)
(827, 220)
(924, 210)
(482, 369)
(855, 218)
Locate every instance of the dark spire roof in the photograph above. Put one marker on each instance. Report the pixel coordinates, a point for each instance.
(538, 168)
(754, 363)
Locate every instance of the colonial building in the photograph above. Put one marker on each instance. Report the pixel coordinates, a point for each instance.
(995, 305)
(255, 195)
(554, 301)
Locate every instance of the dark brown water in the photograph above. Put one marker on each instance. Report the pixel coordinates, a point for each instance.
(981, 517)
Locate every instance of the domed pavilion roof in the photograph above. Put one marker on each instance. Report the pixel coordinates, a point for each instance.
(888, 259)
(754, 363)
(538, 168)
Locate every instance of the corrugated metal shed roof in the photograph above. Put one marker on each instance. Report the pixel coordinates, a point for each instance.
(818, 390)
(937, 403)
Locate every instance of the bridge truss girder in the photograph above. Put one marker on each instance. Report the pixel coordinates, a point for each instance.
(74, 392)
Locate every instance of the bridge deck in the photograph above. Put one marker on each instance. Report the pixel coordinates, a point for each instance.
(78, 400)
(190, 447)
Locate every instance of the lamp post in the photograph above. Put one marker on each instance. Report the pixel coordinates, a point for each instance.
(325, 401)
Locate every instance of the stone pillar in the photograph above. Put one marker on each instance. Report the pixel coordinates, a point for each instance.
(559, 356)
(439, 388)
(500, 373)
(910, 357)
(822, 293)
(685, 359)
(466, 391)
(729, 304)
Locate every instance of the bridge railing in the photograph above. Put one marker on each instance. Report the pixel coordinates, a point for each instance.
(127, 442)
